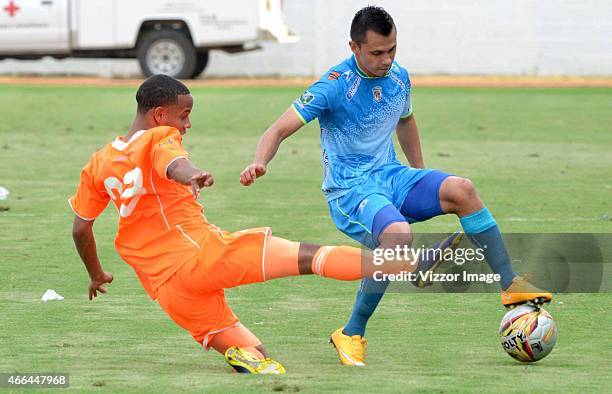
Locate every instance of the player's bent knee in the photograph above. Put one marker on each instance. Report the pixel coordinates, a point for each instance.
(467, 188)
(398, 233)
(457, 191)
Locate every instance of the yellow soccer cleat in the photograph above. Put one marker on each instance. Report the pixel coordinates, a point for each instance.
(521, 292)
(351, 350)
(245, 362)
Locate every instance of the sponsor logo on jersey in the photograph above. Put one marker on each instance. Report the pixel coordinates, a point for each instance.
(325, 160)
(324, 156)
(165, 142)
(333, 76)
(305, 99)
(353, 89)
(377, 92)
(348, 75)
(363, 205)
(398, 81)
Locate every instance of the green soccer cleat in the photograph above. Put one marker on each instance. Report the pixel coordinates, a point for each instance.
(245, 362)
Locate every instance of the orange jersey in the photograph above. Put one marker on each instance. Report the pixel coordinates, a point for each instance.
(160, 224)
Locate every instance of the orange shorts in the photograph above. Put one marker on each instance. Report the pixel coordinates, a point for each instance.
(194, 296)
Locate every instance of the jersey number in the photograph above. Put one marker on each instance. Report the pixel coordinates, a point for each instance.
(124, 192)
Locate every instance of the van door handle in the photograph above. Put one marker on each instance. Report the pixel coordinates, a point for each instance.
(46, 2)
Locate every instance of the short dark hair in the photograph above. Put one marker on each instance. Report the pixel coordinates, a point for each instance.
(371, 18)
(159, 90)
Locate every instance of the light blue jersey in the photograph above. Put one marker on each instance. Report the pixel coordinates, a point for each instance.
(358, 116)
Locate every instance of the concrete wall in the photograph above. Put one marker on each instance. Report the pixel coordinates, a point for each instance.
(501, 37)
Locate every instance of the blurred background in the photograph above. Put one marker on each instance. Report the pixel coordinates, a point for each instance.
(436, 37)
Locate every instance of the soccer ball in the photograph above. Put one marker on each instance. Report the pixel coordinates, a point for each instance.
(528, 333)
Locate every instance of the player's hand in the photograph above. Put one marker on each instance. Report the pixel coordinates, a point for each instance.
(252, 172)
(96, 284)
(198, 181)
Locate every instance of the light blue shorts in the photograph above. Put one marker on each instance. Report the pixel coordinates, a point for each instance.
(354, 212)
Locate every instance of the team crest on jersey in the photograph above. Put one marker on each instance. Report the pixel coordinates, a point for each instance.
(377, 91)
(333, 76)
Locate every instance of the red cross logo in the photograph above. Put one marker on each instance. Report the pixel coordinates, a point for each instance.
(12, 8)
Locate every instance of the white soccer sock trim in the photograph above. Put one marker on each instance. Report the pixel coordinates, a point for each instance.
(322, 259)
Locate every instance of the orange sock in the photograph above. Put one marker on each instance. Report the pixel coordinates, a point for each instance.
(338, 262)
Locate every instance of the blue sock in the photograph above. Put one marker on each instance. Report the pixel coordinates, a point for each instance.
(369, 295)
(482, 230)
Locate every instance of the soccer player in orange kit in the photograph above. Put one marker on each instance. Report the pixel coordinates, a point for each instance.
(182, 261)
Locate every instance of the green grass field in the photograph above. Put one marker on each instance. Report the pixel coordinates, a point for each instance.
(541, 159)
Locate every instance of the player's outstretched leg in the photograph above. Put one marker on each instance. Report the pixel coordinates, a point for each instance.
(458, 195)
(244, 352)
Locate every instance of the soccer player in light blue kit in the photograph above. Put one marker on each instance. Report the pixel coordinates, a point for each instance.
(372, 197)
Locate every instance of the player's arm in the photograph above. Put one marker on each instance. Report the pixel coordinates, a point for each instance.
(85, 242)
(286, 125)
(186, 173)
(408, 137)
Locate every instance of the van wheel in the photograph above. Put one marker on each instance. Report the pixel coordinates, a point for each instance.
(202, 62)
(168, 52)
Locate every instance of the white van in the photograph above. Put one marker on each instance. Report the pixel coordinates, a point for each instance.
(167, 36)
